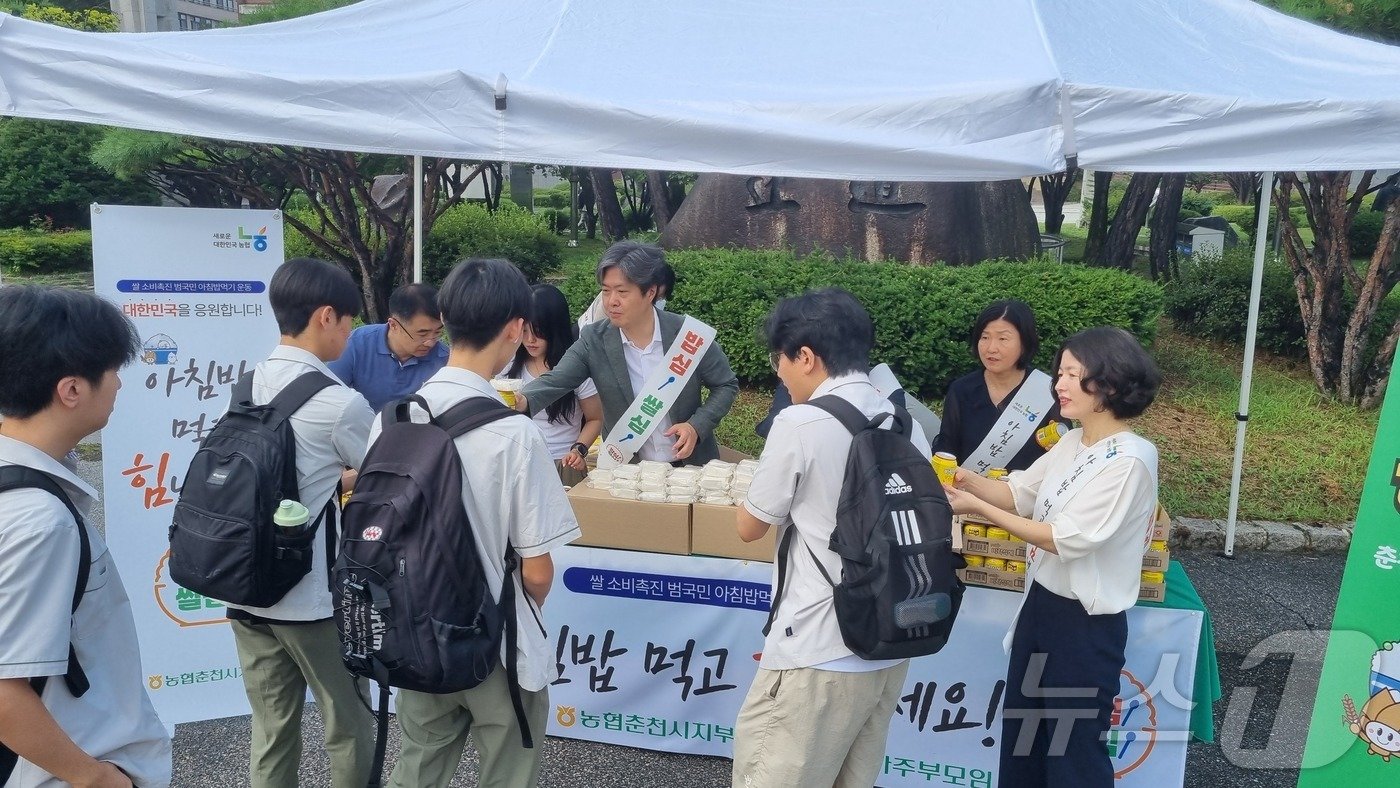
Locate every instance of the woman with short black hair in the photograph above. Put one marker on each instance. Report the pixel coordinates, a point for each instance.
(991, 415)
(1087, 508)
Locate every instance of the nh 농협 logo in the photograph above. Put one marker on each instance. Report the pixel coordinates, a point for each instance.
(258, 238)
(897, 486)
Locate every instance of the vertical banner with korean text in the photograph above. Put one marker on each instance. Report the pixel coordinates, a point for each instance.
(658, 651)
(194, 281)
(1354, 738)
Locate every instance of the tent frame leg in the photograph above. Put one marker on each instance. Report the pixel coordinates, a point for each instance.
(1247, 375)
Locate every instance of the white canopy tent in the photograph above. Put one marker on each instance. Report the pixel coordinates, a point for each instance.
(895, 90)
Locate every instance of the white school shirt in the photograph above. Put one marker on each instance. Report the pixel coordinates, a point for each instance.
(114, 720)
(560, 436)
(332, 432)
(1101, 533)
(641, 362)
(798, 485)
(509, 488)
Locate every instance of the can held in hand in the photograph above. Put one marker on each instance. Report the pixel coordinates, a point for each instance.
(1050, 434)
(945, 465)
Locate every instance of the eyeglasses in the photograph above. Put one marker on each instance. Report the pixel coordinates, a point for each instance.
(425, 336)
(773, 359)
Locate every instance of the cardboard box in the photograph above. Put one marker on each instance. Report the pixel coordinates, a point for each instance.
(993, 578)
(1153, 592)
(994, 548)
(1156, 560)
(631, 525)
(712, 532)
(732, 455)
(1162, 526)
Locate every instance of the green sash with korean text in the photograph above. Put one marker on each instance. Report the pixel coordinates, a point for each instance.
(658, 394)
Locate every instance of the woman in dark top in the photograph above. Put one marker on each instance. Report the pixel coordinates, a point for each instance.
(988, 420)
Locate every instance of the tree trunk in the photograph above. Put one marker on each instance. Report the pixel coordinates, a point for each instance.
(1245, 185)
(587, 205)
(1128, 220)
(661, 208)
(1098, 216)
(609, 209)
(1163, 232)
(1054, 190)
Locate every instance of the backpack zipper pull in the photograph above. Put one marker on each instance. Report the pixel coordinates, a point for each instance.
(402, 562)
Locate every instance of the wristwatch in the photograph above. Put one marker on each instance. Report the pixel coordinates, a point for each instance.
(582, 449)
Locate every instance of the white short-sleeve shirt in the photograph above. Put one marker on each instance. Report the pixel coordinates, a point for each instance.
(114, 720)
(1102, 532)
(332, 431)
(798, 485)
(560, 436)
(510, 489)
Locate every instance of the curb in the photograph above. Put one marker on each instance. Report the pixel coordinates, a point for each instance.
(1192, 533)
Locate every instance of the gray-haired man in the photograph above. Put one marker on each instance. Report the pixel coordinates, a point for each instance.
(621, 353)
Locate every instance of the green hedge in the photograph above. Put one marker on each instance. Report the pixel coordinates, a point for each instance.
(922, 314)
(467, 230)
(1210, 298)
(36, 251)
(1366, 232)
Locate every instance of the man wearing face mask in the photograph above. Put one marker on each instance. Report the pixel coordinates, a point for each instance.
(648, 365)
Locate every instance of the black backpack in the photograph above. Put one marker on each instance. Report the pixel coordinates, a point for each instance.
(223, 543)
(898, 594)
(412, 601)
(20, 477)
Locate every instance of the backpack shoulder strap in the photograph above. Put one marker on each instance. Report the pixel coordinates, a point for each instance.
(17, 477)
(300, 391)
(471, 413)
(243, 389)
(849, 415)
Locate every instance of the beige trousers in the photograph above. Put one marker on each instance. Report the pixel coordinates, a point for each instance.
(815, 728)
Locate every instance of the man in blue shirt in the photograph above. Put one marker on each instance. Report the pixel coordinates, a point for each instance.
(391, 360)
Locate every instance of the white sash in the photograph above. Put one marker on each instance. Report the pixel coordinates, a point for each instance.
(1058, 489)
(1017, 424)
(658, 393)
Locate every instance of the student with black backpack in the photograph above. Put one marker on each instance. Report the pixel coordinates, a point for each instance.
(516, 513)
(73, 703)
(290, 644)
(834, 661)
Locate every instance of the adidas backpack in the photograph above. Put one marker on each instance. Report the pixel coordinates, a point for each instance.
(223, 543)
(412, 601)
(898, 594)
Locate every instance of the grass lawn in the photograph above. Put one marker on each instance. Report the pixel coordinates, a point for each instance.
(1305, 455)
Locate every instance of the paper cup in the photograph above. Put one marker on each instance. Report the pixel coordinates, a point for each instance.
(507, 388)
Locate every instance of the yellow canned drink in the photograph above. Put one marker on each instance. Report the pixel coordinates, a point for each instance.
(997, 473)
(1159, 545)
(994, 532)
(975, 530)
(1154, 577)
(998, 564)
(973, 561)
(945, 465)
(1016, 567)
(1014, 539)
(1050, 434)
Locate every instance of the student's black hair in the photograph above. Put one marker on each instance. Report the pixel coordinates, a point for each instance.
(50, 333)
(1117, 369)
(667, 285)
(302, 285)
(644, 265)
(410, 301)
(549, 319)
(1020, 316)
(831, 322)
(479, 297)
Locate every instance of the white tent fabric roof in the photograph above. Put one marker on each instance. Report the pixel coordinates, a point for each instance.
(893, 90)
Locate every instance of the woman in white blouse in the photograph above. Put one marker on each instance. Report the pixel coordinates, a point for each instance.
(1086, 509)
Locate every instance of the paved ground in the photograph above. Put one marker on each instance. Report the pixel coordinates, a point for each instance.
(1252, 598)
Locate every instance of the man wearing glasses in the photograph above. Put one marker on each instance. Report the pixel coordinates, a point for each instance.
(388, 361)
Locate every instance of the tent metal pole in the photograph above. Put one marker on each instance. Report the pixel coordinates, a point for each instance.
(1247, 376)
(417, 219)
